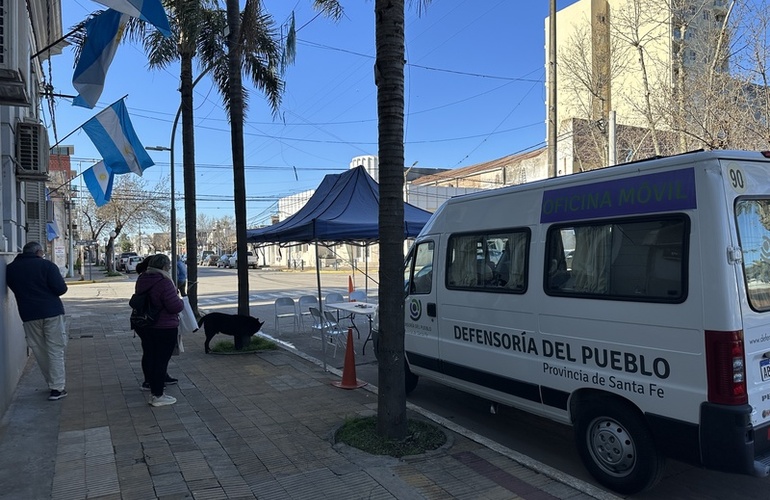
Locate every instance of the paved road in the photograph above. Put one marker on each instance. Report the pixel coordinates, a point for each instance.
(538, 438)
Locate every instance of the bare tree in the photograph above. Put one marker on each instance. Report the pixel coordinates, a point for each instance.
(131, 204)
(638, 27)
(586, 72)
(693, 72)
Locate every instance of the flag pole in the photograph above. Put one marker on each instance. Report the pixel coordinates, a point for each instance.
(57, 41)
(81, 125)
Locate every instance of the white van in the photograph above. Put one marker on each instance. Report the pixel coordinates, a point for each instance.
(632, 302)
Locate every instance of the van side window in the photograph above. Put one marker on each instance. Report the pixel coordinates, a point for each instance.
(419, 277)
(753, 217)
(644, 260)
(489, 261)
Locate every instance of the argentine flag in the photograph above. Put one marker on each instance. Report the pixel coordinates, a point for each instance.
(99, 181)
(150, 11)
(113, 135)
(103, 34)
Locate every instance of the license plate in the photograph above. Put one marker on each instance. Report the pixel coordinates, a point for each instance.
(764, 366)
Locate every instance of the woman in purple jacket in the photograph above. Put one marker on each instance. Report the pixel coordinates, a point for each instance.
(158, 341)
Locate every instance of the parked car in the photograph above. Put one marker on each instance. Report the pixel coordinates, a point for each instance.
(224, 260)
(251, 258)
(123, 260)
(210, 260)
(204, 255)
(132, 262)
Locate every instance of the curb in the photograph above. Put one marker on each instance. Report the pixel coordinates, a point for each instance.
(72, 281)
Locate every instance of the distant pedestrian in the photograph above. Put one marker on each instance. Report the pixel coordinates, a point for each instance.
(38, 285)
(159, 340)
(181, 276)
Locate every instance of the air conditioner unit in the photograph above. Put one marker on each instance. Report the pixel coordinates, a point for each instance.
(32, 155)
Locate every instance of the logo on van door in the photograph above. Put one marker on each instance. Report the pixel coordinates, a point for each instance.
(415, 309)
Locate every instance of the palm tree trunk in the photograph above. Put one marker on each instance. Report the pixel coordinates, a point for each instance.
(188, 163)
(389, 78)
(235, 92)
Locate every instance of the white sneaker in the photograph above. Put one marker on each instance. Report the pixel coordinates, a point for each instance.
(163, 400)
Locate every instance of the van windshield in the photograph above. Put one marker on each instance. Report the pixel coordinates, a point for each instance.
(753, 216)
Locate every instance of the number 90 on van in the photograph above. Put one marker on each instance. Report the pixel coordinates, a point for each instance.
(631, 302)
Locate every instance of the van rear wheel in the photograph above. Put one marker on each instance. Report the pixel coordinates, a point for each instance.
(617, 447)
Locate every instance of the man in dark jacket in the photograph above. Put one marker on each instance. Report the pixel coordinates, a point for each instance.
(38, 286)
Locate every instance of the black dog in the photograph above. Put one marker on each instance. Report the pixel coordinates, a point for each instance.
(240, 327)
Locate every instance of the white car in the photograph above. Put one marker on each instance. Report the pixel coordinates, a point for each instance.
(120, 262)
(224, 260)
(250, 257)
(132, 262)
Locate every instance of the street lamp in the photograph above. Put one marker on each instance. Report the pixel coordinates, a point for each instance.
(173, 191)
(171, 151)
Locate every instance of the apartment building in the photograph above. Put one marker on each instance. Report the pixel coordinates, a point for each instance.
(634, 58)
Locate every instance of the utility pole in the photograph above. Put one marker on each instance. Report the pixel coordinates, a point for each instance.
(71, 249)
(612, 152)
(552, 125)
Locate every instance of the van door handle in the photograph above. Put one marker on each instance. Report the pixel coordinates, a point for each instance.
(432, 309)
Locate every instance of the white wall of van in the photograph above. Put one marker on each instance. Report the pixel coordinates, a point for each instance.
(614, 300)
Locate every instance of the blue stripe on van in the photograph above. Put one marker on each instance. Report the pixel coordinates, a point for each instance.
(661, 192)
(518, 388)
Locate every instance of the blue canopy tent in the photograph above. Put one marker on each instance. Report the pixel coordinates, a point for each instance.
(344, 209)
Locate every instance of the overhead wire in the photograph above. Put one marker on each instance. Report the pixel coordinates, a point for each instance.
(304, 119)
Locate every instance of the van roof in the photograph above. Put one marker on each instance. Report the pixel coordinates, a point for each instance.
(619, 169)
(529, 195)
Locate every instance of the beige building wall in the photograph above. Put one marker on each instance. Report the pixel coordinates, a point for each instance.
(622, 56)
(598, 67)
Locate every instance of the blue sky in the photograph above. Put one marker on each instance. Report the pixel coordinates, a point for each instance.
(474, 92)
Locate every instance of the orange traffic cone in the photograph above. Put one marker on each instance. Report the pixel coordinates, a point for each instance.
(350, 284)
(349, 380)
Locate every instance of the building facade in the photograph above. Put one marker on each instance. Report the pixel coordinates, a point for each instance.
(636, 59)
(29, 31)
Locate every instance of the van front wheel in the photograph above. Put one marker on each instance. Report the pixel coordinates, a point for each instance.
(617, 447)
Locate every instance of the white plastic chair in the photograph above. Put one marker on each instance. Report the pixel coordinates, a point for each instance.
(334, 298)
(304, 304)
(334, 334)
(285, 308)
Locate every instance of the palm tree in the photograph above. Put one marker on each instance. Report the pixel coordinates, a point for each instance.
(200, 29)
(389, 78)
(192, 22)
(251, 47)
